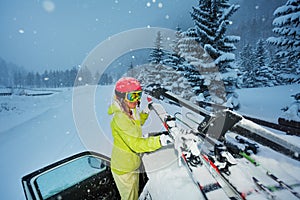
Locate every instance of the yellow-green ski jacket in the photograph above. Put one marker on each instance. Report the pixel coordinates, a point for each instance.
(128, 140)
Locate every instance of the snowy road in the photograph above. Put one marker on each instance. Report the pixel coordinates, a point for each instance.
(36, 142)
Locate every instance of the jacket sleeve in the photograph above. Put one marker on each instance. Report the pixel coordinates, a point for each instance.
(136, 144)
(141, 145)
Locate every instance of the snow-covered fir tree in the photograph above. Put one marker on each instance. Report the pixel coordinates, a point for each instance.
(246, 63)
(3, 73)
(84, 77)
(166, 77)
(287, 40)
(210, 50)
(263, 74)
(254, 66)
(105, 79)
(130, 70)
(261, 53)
(191, 51)
(163, 69)
(173, 58)
(152, 72)
(291, 113)
(276, 64)
(157, 54)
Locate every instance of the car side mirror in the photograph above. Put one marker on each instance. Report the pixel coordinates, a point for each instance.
(96, 163)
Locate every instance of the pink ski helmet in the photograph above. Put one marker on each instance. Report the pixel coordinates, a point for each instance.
(127, 84)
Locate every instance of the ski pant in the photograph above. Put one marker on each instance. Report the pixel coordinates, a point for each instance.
(128, 185)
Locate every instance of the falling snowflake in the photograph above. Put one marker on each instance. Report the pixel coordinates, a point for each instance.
(160, 5)
(21, 31)
(167, 17)
(148, 4)
(48, 6)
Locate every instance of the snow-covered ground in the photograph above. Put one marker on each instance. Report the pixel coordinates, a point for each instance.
(38, 130)
(263, 103)
(266, 103)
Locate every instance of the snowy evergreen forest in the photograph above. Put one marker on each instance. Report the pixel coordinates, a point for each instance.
(204, 57)
(205, 52)
(17, 77)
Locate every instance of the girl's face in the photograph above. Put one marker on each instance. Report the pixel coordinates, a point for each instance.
(131, 105)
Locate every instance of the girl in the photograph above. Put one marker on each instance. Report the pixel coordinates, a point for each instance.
(127, 133)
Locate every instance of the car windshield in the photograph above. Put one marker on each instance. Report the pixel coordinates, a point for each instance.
(68, 175)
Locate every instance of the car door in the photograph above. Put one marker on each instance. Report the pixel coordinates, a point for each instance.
(85, 175)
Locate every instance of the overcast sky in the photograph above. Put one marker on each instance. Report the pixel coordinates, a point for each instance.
(58, 34)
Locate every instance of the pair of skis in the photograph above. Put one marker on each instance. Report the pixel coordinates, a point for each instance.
(244, 152)
(232, 148)
(204, 173)
(283, 184)
(198, 164)
(269, 192)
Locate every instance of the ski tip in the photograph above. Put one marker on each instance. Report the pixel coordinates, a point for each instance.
(254, 179)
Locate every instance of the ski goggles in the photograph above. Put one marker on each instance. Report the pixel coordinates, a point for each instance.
(133, 96)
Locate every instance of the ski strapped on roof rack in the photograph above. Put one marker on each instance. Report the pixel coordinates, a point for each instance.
(274, 188)
(194, 159)
(244, 127)
(269, 190)
(232, 148)
(213, 185)
(264, 188)
(283, 184)
(244, 152)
